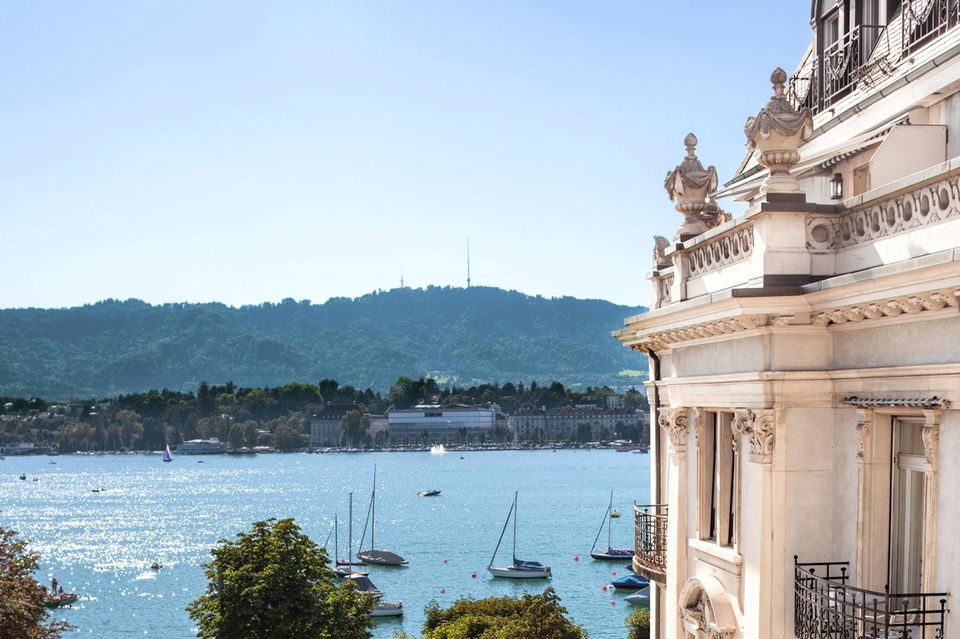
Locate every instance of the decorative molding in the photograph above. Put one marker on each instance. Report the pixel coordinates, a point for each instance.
(722, 251)
(931, 444)
(698, 420)
(930, 403)
(909, 304)
(863, 432)
(665, 339)
(675, 421)
(924, 206)
(759, 427)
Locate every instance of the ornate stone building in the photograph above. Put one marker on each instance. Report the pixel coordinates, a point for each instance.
(805, 356)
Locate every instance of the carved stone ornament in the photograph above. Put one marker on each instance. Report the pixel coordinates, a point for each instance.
(759, 427)
(688, 186)
(675, 422)
(777, 132)
(660, 246)
(863, 433)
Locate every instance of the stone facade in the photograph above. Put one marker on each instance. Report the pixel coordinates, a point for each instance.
(805, 360)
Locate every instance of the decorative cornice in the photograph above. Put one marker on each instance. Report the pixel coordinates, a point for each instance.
(759, 427)
(713, 328)
(675, 421)
(929, 403)
(887, 307)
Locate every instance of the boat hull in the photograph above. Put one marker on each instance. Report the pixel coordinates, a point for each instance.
(381, 558)
(639, 598)
(519, 572)
(612, 554)
(387, 609)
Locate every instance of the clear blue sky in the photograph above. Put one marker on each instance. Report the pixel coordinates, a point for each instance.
(251, 151)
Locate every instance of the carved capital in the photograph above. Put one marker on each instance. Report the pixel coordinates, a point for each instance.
(931, 439)
(759, 428)
(675, 421)
(863, 433)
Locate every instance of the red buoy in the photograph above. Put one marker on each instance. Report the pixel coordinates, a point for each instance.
(614, 573)
(576, 557)
(445, 560)
(443, 590)
(613, 602)
(473, 575)
(604, 588)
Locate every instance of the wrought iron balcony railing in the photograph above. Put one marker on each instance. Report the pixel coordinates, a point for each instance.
(650, 541)
(924, 20)
(826, 606)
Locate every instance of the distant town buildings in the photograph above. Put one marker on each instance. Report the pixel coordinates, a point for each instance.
(325, 425)
(581, 422)
(212, 446)
(16, 448)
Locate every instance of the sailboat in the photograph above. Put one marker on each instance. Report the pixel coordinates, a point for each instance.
(519, 569)
(343, 567)
(380, 608)
(610, 553)
(167, 457)
(373, 556)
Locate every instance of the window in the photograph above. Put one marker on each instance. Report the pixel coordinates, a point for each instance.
(830, 29)
(717, 478)
(908, 485)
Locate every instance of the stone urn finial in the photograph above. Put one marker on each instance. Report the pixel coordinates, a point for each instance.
(688, 186)
(777, 132)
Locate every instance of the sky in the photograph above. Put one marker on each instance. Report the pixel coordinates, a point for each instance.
(245, 152)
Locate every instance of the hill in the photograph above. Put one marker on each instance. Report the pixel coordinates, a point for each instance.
(453, 334)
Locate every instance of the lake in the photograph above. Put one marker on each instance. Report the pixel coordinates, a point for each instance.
(101, 545)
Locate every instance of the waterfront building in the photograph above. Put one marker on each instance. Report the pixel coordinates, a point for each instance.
(444, 424)
(212, 446)
(17, 448)
(583, 422)
(325, 425)
(805, 356)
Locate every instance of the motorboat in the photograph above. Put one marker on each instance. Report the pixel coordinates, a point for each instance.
(518, 569)
(614, 514)
(60, 599)
(609, 553)
(630, 582)
(428, 493)
(380, 608)
(639, 598)
(23, 477)
(372, 556)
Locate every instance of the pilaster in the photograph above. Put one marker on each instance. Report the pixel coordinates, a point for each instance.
(675, 422)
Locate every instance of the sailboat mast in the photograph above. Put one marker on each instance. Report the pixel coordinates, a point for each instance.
(373, 514)
(506, 522)
(350, 534)
(609, 527)
(336, 541)
(515, 528)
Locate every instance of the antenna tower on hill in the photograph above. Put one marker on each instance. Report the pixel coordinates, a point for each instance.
(468, 262)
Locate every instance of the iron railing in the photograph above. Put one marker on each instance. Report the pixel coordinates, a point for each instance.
(826, 606)
(650, 539)
(924, 20)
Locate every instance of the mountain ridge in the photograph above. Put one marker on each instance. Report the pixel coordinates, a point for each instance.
(461, 335)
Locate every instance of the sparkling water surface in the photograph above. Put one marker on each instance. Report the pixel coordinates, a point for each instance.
(101, 545)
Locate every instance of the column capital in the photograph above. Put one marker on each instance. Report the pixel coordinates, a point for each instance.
(675, 421)
(759, 426)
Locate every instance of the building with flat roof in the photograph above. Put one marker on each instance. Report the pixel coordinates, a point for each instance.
(444, 424)
(582, 422)
(325, 425)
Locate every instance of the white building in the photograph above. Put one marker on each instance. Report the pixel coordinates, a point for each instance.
(805, 357)
(212, 446)
(441, 423)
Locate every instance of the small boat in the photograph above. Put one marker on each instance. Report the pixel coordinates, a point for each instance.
(36, 479)
(60, 599)
(167, 457)
(519, 569)
(639, 598)
(380, 608)
(610, 553)
(23, 477)
(615, 514)
(428, 493)
(52, 462)
(630, 582)
(155, 566)
(373, 556)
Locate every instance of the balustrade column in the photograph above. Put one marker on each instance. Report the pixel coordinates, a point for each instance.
(675, 422)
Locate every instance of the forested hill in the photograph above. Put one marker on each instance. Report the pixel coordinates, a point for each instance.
(453, 334)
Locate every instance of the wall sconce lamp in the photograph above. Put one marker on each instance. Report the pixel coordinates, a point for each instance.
(836, 187)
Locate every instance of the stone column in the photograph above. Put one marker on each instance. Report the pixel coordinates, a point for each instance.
(760, 545)
(674, 421)
(931, 449)
(873, 478)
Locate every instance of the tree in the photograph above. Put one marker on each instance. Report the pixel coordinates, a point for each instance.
(273, 582)
(22, 613)
(639, 624)
(288, 438)
(529, 617)
(235, 436)
(584, 432)
(353, 426)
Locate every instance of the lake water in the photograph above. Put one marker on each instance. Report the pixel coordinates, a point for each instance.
(101, 545)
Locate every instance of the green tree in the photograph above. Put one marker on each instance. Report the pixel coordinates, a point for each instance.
(249, 433)
(22, 611)
(638, 624)
(235, 436)
(288, 438)
(353, 427)
(584, 432)
(529, 617)
(273, 582)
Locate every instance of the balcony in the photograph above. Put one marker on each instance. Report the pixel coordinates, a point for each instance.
(925, 20)
(650, 541)
(826, 606)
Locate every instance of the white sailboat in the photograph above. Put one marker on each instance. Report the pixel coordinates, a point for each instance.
(381, 608)
(519, 569)
(373, 556)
